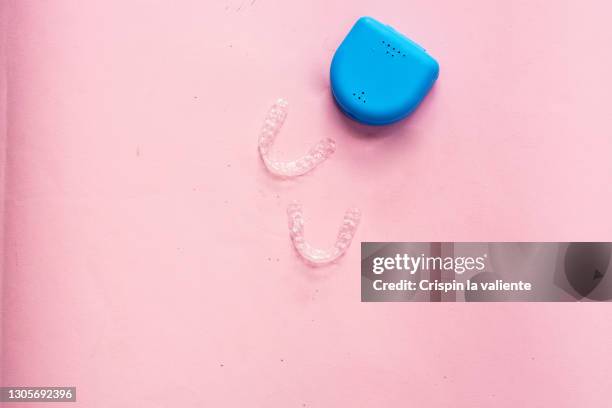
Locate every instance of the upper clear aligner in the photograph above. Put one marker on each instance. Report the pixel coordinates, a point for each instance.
(272, 125)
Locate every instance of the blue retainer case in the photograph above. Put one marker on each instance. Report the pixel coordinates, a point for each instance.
(379, 76)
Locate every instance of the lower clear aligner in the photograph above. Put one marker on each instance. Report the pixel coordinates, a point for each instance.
(315, 256)
(272, 125)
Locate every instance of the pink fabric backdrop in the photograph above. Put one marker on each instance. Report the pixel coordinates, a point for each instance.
(147, 259)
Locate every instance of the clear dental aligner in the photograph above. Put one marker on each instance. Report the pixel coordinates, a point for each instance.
(315, 256)
(272, 125)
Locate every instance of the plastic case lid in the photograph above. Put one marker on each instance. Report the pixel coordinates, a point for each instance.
(379, 76)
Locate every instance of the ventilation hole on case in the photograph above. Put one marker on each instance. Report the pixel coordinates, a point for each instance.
(360, 96)
(404, 55)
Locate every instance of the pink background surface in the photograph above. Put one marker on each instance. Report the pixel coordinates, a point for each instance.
(147, 259)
